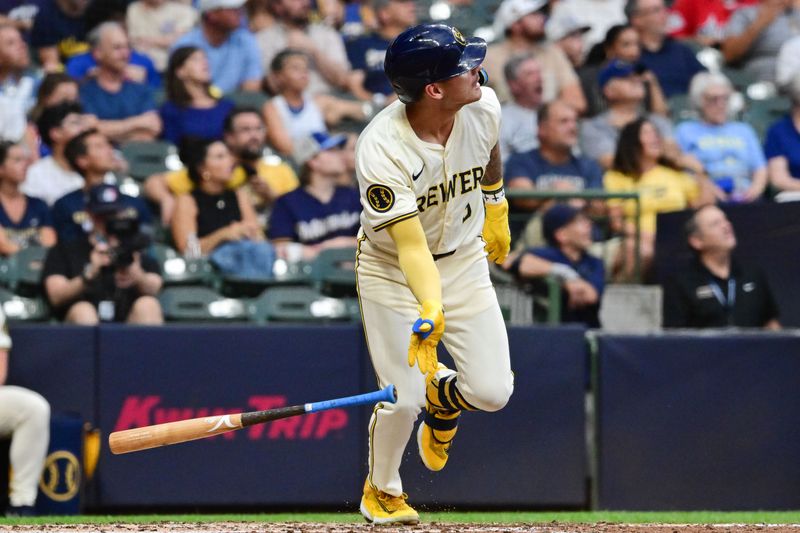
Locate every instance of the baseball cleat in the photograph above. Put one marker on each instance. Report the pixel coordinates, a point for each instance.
(438, 429)
(379, 507)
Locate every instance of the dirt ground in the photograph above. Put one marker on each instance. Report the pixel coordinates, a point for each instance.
(255, 527)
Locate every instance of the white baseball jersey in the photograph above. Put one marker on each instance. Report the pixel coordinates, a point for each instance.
(401, 176)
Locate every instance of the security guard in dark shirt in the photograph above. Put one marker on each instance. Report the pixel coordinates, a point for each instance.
(716, 291)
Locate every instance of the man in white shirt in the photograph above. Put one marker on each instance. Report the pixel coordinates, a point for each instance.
(518, 127)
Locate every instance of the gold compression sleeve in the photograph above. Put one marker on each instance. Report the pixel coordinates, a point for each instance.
(416, 260)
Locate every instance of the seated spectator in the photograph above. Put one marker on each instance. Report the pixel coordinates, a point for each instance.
(293, 29)
(621, 43)
(103, 275)
(259, 14)
(17, 84)
(295, 113)
(192, 108)
(20, 13)
(782, 146)
(566, 257)
(639, 166)
(703, 22)
(754, 35)
(600, 15)
(521, 22)
(155, 25)
(729, 151)
(717, 290)
(126, 109)
(91, 155)
(320, 214)
(215, 220)
(624, 91)
(59, 32)
(552, 166)
(25, 419)
(673, 63)
(566, 31)
(518, 124)
(55, 88)
(52, 177)
(232, 51)
(263, 175)
(24, 221)
(367, 80)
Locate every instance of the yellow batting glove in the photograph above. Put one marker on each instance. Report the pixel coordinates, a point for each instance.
(495, 226)
(425, 335)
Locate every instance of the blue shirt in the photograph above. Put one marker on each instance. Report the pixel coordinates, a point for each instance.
(674, 65)
(367, 53)
(182, 121)
(579, 172)
(72, 221)
(236, 61)
(783, 139)
(302, 218)
(730, 152)
(79, 66)
(25, 232)
(52, 27)
(131, 100)
(591, 270)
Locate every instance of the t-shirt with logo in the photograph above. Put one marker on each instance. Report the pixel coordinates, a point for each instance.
(578, 172)
(72, 221)
(25, 231)
(367, 53)
(52, 27)
(300, 217)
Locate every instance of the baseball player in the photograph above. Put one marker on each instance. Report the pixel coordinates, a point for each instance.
(25, 417)
(429, 174)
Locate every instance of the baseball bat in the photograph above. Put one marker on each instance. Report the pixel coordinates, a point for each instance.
(137, 439)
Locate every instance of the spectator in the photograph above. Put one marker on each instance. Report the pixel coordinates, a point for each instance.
(260, 14)
(19, 13)
(293, 29)
(639, 166)
(366, 53)
(320, 214)
(103, 275)
(59, 32)
(126, 110)
(215, 220)
(25, 418)
(192, 108)
(17, 86)
(729, 151)
(622, 43)
(567, 32)
(24, 221)
(566, 257)
(90, 154)
(624, 91)
(717, 290)
(155, 25)
(754, 35)
(522, 24)
(552, 166)
(263, 175)
(704, 21)
(55, 88)
(782, 146)
(673, 63)
(232, 51)
(52, 177)
(599, 14)
(518, 125)
(294, 112)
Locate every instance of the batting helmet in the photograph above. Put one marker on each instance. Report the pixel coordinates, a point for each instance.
(429, 53)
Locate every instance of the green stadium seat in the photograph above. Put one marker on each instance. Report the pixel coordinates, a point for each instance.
(176, 270)
(20, 308)
(762, 113)
(680, 108)
(333, 271)
(248, 99)
(146, 158)
(22, 272)
(200, 304)
(298, 304)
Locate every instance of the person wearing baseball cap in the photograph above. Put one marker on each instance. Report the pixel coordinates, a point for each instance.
(566, 31)
(568, 233)
(520, 29)
(232, 51)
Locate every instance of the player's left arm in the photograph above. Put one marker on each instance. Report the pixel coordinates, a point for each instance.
(496, 232)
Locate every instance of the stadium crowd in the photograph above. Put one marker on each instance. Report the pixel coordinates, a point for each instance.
(689, 105)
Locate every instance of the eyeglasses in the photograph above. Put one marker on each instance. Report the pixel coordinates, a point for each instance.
(716, 98)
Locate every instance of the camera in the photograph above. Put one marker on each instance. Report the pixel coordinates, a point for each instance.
(131, 240)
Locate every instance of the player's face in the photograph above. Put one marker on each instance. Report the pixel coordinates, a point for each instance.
(626, 46)
(652, 147)
(218, 164)
(714, 230)
(195, 68)
(15, 165)
(463, 89)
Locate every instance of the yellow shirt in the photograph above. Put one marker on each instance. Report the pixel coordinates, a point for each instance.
(660, 189)
(277, 174)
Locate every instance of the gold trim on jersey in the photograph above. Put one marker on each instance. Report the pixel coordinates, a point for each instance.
(395, 220)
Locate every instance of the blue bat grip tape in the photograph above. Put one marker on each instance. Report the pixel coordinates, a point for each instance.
(386, 394)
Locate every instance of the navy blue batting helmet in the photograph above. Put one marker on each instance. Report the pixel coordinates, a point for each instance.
(429, 53)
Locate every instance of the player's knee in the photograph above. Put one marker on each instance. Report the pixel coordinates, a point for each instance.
(491, 397)
(407, 405)
(37, 408)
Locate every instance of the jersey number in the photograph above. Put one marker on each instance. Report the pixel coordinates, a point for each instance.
(469, 214)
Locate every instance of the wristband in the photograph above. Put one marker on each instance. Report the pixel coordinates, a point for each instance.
(494, 194)
(563, 272)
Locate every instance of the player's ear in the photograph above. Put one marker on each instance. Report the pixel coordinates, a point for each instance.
(434, 91)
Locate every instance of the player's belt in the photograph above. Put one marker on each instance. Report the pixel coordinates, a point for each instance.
(436, 257)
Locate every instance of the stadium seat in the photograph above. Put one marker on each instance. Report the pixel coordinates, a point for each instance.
(762, 113)
(333, 271)
(20, 308)
(146, 158)
(248, 99)
(298, 304)
(680, 108)
(22, 272)
(176, 270)
(200, 304)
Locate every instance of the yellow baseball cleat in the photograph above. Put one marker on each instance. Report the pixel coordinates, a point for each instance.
(381, 508)
(438, 429)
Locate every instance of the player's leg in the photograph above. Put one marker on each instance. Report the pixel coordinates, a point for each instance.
(25, 415)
